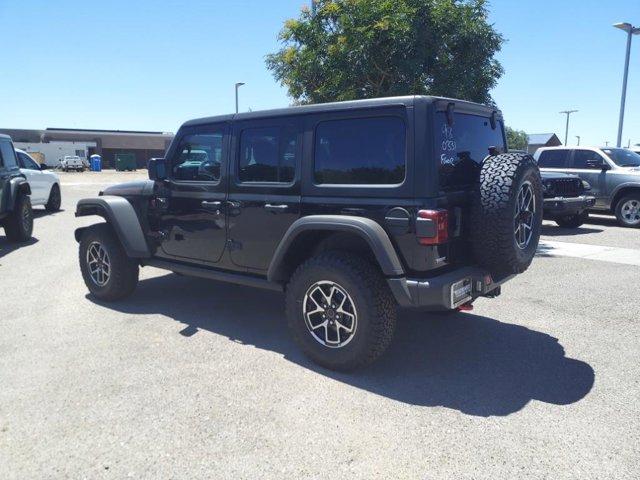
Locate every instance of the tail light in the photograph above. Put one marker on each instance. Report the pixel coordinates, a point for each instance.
(432, 227)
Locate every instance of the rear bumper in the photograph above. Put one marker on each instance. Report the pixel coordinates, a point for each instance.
(568, 205)
(436, 293)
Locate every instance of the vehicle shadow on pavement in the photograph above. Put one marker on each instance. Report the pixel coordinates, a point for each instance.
(474, 364)
(6, 247)
(41, 212)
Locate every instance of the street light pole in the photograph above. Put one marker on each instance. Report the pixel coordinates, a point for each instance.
(566, 131)
(238, 85)
(631, 30)
(578, 137)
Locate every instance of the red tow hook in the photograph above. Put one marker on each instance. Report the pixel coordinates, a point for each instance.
(465, 307)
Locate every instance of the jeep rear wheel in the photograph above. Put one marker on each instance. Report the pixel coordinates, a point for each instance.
(19, 224)
(507, 213)
(107, 271)
(340, 311)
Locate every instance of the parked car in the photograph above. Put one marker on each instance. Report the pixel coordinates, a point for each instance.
(352, 209)
(613, 173)
(72, 162)
(16, 216)
(45, 185)
(565, 199)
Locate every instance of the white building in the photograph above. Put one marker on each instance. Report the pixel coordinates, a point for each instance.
(55, 151)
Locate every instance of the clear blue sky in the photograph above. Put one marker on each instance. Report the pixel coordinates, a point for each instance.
(150, 65)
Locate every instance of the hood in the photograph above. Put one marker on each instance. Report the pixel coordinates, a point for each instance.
(129, 189)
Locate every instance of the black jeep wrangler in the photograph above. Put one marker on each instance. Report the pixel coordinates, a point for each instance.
(16, 215)
(566, 199)
(352, 209)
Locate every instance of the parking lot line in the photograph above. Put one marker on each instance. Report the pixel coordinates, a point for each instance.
(627, 256)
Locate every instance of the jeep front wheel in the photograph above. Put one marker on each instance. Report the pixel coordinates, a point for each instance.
(19, 224)
(340, 311)
(108, 272)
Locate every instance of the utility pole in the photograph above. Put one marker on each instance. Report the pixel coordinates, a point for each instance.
(566, 131)
(313, 7)
(631, 30)
(606, 144)
(238, 85)
(578, 137)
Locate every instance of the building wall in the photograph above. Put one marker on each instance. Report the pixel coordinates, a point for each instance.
(142, 155)
(55, 151)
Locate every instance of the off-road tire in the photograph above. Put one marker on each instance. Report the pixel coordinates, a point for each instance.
(374, 303)
(55, 198)
(493, 211)
(123, 276)
(619, 213)
(572, 221)
(18, 226)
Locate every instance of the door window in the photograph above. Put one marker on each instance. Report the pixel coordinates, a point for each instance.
(364, 151)
(581, 157)
(27, 162)
(267, 155)
(7, 155)
(554, 159)
(199, 157)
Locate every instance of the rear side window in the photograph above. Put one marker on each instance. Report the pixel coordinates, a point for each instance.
(463, 146)
(267, 155)
(360, 151)
(553, 159)
(7, 155)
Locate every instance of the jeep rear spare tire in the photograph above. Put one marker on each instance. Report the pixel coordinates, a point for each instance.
(507, 213)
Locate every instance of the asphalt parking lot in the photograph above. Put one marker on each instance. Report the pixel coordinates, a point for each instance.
(197, 379)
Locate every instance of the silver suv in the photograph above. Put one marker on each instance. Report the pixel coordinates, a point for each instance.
(613, 173)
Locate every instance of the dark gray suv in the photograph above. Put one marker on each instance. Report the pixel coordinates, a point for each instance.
(613, 173)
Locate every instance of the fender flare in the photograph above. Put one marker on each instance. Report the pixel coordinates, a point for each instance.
(616, 191)
(17, 185)
(121, 215)
(365, 228)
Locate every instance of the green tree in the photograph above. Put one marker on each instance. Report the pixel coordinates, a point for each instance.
(352, 49)
(516, 139)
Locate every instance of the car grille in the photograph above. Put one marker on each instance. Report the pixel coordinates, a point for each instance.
(566, 187)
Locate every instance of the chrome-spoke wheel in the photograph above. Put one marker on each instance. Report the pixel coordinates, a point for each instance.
(98, 263)
(524, 215)
(330, 314)
(630, 212)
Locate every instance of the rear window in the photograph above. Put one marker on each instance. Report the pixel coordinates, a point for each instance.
(463, 146)
(362, 151)
(554, 159)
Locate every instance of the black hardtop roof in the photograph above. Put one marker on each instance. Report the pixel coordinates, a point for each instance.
(441, 103)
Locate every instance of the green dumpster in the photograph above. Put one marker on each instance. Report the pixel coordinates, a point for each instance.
(125, 161)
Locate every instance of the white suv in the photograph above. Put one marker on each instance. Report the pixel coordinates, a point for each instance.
(45, 185)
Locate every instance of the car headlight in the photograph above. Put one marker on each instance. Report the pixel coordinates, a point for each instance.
(586, 185)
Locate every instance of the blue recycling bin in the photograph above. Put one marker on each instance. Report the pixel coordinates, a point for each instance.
(95, 163)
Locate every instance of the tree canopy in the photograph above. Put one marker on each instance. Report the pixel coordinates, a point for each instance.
(352, 49)
(516, 139)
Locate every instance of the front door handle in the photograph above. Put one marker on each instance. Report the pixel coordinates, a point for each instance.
(276, 208)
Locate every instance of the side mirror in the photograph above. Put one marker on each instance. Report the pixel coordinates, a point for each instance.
(157, 169)
(43, 166)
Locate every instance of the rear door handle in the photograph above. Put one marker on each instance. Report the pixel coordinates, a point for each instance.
(276, 208)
